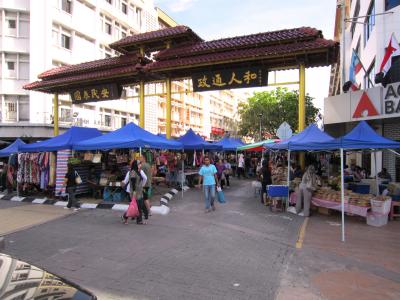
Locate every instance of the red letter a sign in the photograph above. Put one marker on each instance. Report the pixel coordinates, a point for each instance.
(365, 108)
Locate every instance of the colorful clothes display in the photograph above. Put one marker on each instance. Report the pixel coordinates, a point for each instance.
(33, 168)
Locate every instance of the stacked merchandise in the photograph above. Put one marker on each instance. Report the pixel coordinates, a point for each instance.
(328, 194)
(279, 176)
(33, 170)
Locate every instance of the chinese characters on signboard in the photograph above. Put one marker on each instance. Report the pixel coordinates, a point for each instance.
(95, 93)
(230, 79)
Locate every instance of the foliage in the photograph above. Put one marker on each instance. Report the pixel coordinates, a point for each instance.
(274, 107)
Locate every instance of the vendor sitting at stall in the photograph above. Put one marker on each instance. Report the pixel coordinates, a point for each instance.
(307, 186)
(384, 174)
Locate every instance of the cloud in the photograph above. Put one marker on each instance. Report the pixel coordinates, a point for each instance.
(181, 5)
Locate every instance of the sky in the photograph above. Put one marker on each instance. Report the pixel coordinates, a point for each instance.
(214, 19)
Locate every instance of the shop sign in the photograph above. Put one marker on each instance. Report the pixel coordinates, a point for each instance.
(391, 99)
(217, 131)
(96, 93)
(230, 79)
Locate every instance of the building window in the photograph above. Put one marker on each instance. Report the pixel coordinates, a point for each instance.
(124, 7)
(65, 41)
(370, 76)
(66, 5)
(10, 62)
(123, 122)
(356, 13)
(11, 21)
(107, 120)
(139, 16)
(23, 66)
(369, 22)
(23, 109)
(12, 24)
(23, 30)
(109, 1)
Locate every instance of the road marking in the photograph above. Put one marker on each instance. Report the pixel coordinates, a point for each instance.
(121, 207)
(17, 199)
(302, 233)
(39, 201)
(89, 205)
(169, 196)
(61, 203)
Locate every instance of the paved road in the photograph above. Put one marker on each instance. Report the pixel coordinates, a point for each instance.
(237, 252)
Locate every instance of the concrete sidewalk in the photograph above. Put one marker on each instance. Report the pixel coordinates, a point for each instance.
(366, 266)
(21, 217)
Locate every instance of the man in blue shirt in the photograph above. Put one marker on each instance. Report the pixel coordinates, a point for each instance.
(208, 176)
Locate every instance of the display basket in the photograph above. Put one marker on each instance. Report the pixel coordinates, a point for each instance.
(381, 207)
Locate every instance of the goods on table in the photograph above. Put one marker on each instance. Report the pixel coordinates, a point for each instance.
(326, 193)
(294, 184)
(279, 175)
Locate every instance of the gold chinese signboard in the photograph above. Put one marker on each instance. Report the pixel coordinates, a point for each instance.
(230, 79)
(96, 93)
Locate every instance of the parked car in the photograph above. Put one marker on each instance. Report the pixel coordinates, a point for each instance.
(23, 281)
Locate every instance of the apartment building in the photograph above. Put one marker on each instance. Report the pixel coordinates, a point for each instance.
(39, 35)
(369, 26)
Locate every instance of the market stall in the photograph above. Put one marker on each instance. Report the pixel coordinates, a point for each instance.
(361, 137)
(44, 164)
(192, 141)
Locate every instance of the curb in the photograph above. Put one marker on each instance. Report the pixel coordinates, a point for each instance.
(164, 201)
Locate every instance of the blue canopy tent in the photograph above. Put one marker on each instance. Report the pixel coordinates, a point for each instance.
(361, 137)
(228, 144)
(67, 140)
(192, 141)
(11, 149)
(310, 138)
(130, 136)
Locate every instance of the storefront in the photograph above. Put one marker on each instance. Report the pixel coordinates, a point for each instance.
(380, 106)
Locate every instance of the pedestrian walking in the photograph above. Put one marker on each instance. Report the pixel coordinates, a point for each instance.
(240, 170)
(70, 181)
(208, 176)
(265, 177)
(134, 182)
(228, 172)
(220, 166)
(146, 168)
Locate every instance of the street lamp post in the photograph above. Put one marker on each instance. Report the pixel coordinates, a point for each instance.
(260, 115)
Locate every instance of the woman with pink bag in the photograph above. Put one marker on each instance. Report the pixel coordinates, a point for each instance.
(134, 181)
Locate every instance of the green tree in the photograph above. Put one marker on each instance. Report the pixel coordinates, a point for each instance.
(274, 107)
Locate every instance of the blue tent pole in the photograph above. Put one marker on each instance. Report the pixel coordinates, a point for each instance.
(342, 190)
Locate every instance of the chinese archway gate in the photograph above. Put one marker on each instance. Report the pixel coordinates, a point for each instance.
(242, 61)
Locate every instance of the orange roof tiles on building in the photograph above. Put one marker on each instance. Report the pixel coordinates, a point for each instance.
(155, 40)
(246, 41)
(189, 53)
